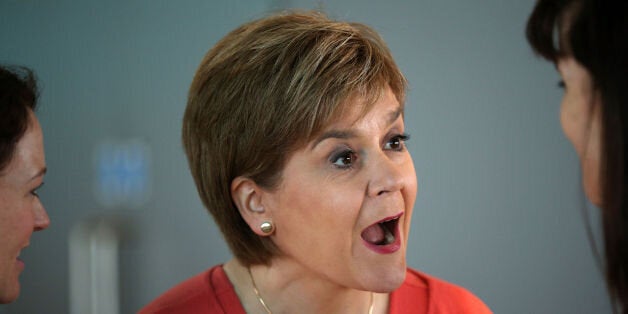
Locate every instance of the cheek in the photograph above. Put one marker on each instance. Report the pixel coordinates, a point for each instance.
(15, 229)
(581, 127)
(591, 181)
(309, 219)
(591, 162)
(410, 192)
(570, 121)
(314, 206)
(411, 182)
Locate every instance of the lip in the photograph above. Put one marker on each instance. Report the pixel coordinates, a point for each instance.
(18, 260)
(388, 248)
(20, 263)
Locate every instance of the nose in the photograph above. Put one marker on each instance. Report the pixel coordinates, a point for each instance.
(389, 175)
(41, 221)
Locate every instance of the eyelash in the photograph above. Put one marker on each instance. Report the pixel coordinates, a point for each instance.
(347, 157)
(35, 191)
(400, 140)
(561, 84)
(343, 157)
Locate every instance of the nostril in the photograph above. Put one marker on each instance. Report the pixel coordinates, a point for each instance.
(42, 221)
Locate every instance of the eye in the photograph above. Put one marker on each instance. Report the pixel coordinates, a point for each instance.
(344, 159)
(35, 191)
(561, 84)
(396, 143)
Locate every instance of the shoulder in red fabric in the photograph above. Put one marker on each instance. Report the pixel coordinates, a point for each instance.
(208, 292)
(421, 293)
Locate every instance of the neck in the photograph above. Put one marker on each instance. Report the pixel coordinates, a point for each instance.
(286, 289)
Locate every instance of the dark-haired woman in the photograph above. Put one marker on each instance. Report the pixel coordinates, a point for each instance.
(587, 40)
(22, 169)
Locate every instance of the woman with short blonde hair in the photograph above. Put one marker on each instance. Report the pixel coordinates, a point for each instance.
(295, 137)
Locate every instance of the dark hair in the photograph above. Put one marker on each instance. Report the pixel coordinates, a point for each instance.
(263, 91)
(595, 33)
(18, 95)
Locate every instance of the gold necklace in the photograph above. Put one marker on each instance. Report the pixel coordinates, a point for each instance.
(261, 301)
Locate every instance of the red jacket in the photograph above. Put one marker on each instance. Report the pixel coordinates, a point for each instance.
(212, 292)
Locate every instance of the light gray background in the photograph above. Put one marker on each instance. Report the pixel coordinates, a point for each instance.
(499, 199)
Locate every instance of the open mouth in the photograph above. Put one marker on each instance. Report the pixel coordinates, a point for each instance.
(383, 232)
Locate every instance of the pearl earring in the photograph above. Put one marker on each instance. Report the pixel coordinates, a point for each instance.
(267, 227)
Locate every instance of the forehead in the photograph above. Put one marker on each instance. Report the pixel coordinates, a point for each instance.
(357, 107)
(28, 158)
(376, 116)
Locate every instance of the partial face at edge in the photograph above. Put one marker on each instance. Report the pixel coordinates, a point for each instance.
(342, 211)
(21, 211)
(581, 122)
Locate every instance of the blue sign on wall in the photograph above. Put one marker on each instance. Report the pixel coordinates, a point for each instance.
(123, 173)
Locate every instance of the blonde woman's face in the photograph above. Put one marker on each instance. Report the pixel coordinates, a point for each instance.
(342, 210)
(580, 120)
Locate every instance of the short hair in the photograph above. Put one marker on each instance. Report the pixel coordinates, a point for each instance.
(264, 91)
(18, 96)
(595, 34)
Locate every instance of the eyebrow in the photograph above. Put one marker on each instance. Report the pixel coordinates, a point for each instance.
(39, 173)
(393, 116)
(346, 134)
(339, 134)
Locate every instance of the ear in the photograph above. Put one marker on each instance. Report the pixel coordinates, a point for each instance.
(247, 196)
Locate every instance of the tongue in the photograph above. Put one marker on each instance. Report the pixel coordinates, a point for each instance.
(374, 234)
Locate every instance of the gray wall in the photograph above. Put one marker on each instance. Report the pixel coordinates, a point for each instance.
(499, 196)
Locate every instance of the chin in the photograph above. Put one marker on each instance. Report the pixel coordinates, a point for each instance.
(591, 181)
(390, 280)
(594, 197)
(9, 296)
(10, 292)
(592, 189)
